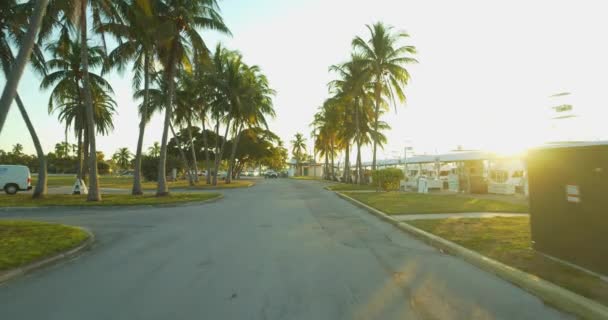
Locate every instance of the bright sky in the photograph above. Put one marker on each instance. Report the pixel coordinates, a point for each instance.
(485, 75)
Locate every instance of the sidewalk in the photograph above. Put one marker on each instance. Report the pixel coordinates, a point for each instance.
(432, 216)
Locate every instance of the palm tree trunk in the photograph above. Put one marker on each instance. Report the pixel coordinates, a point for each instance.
(85, 151)
(346, 175)
(217, 146)
(137, 189)
(206, 146)
(326, 171)
(182, 154)
(333, 173)
(357, 139)
(41, 186)
(194, 161)
(94, 194)
(233, 154)
(359, 172)
(218, 157)
(162, 188)
(377, 92)
(12, 80)
(79, 156)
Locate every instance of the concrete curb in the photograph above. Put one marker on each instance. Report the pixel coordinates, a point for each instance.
(557, 296)
(17, 272)
(84, 208)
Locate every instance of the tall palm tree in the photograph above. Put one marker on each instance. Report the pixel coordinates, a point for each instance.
(324, 130)
(66, 78)
(226, 80)
(298, 149)
(187, 111)
(67, 14)
(73, 14)
(25, 50)
(179, 20)
(136, 35)
(94, 194)
(157, 102)
(352, 90)
(13, 19)
(70, 110)
(253, 104)
(203, 109)
(123, 158)
(386, 58)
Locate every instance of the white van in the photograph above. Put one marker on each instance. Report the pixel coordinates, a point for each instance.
(15, 178)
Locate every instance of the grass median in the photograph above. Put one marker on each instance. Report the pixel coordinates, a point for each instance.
(351, 187)
(305, 178)
(23, 242)
(508, 240)
(25, 200)
(395, 203)
(126, 182)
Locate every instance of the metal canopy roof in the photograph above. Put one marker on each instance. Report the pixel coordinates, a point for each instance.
(448, 157)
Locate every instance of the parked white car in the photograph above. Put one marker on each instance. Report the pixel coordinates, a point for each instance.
(15, 178)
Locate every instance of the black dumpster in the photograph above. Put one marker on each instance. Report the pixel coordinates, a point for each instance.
(568, 187)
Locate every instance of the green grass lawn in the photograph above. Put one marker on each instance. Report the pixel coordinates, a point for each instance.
(25, 200)
(507, 239)
(415, 203)
(235, 184)
(126, 182)
(351, 187)
(305, 178)
(22, 242)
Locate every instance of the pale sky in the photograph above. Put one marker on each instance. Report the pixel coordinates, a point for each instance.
(486, 71)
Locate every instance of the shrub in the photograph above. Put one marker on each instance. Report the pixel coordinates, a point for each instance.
(103, 167)
(387, 179)
(149, 166)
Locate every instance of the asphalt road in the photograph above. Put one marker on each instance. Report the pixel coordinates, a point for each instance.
(283, 249)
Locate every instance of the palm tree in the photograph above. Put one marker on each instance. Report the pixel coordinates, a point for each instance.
(154, 150)
(324, 130)
(226, 81)
(13, 17)
(253, 104)
(157, 102)
(298, 147)
(135, 34)
(17, 149)
(187, 111)
(69, 108)
(180, 20)
(353, 92)
(332, 117)
(225, 78)
(26, 48)
(66, 78)
(123, 157)
(65, 14)
(94, 194)
(202, 109)
(386, 59)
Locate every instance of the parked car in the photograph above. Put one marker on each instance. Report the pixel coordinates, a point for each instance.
(271, 174)
(202, 173)
(15, 178)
